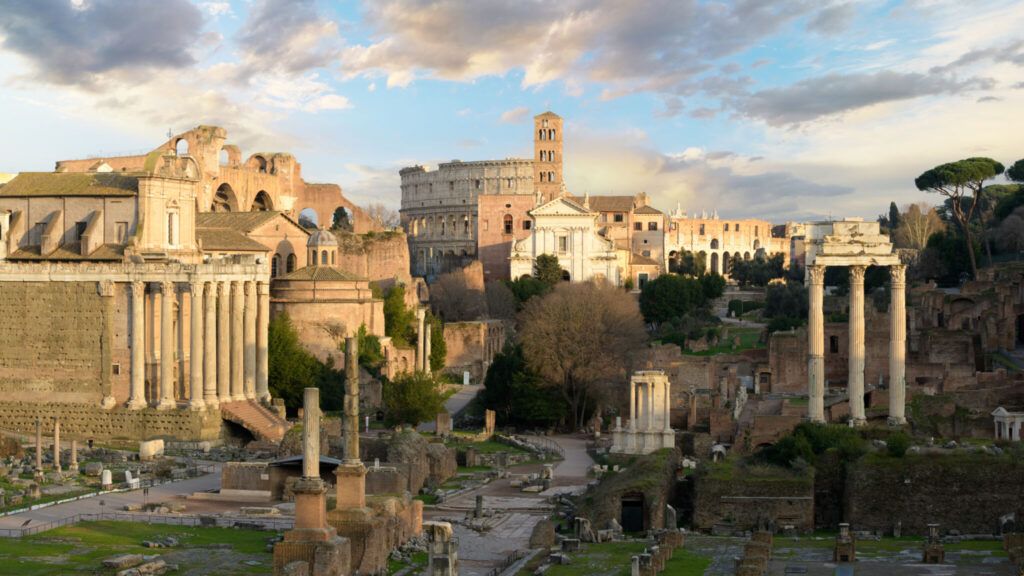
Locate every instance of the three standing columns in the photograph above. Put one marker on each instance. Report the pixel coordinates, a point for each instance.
(816, 344)
(855, 382)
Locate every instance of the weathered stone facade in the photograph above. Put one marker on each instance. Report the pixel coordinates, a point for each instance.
(471, 346)
(719, 241)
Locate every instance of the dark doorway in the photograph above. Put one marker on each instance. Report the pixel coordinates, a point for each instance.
(633, 513)
(1020, 329)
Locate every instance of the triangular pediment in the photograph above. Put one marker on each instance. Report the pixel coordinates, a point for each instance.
(561, 206)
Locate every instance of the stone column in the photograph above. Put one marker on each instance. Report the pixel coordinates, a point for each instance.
(351, 475)
(816, 344)
(210, 347)
(262, 336)
(898, 345)
(237, 342)
(311, 433)
(73, 467)
(667, 408)
(56, 444)
(137, 394)
(855, 379)
(427, 337)
(106, 290)
(223, 342)
(249, 355)
(39, 446)
(420, 346)
(167, 298)
(195, 390)
(632, 405)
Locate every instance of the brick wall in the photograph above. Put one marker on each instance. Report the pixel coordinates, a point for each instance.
(85, 421)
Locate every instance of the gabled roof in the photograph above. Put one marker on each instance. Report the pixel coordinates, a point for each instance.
(641, 260)
(241, 221)
(321, 274)
(228, 240)
(548, 114)
(648, 209)
(611, 203)
(57, 184)
(562, 205)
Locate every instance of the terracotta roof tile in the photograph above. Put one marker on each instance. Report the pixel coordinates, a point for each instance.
(42, 184)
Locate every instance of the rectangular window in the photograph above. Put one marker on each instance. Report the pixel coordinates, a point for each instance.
(737, 227)
(172, 228)
(80, 230)
(618, 217)
(527, 224)
(451, 185)
(652, 226)
(563, 243)
(487, 225)
(478, 183)
(701, 229)
(726, 228)
(638, 226)
(755, 231)
(116, 369)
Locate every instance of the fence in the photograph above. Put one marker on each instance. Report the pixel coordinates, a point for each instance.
(508, 561)
(274, 524)
(546, 445)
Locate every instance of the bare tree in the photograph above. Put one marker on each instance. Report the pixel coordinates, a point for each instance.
(382, 215)
(918, 222)
(581, 338)
(456, 297)
(501, 302)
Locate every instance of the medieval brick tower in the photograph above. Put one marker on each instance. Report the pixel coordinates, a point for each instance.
(547, 156)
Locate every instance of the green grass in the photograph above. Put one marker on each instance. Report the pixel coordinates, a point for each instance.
(419, 559)
(749, 339)
(473, 469)
(613, 559)
(885, 546)
(427, 499)
(79, 549)
(686, 563)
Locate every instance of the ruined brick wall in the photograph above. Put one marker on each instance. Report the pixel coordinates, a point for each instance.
(377, 256)
(965, 492)
(50, 341)
(787, 356)
(741, 499)
(471, 346)
(85, 421)
(245, 476)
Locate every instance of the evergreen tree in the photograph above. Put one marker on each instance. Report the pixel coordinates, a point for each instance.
(398, 318)
(547, 269)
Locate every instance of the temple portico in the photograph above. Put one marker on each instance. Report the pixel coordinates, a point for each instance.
(649, 426)
(854, 244)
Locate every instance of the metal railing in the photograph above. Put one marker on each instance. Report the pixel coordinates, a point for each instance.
(509, 560)
(270, 524)
(545, 445)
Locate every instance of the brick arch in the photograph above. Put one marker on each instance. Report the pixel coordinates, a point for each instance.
(324, 199)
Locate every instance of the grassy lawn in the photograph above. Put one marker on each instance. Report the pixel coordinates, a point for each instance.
(80, 549)
(613, 559)
(486, 447)
(748, 340)
(786, 547)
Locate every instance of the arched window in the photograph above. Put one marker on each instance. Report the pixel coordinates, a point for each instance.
(181, 147)
(714, 263)
(508, 223)
(323, 258)
(290, 264)
(726, 263)
(275, 265)
(261, 203)
(757, 244)
(261, 164)
(465, 225)
(714, 244)
(442, 225)
(551, 176)
(540, 134)
(223, 199)
(542, 176)
(551, 134)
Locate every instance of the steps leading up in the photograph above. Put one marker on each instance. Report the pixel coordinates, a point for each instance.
(256, 418)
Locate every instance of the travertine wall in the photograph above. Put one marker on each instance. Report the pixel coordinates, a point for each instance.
(471, 346)
(89, 421)
(48, 356)
(375, 257)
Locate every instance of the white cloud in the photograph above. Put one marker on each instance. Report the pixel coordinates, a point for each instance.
(515, 115)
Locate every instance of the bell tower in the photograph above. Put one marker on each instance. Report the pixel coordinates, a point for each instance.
(547, 156)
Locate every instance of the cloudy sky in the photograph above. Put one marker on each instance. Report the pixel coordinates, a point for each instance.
(780, 109)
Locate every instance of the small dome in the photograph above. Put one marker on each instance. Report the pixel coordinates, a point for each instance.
(322, 238)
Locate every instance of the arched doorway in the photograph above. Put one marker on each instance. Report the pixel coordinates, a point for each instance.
(725, 263)
(224, 199)
(566, 277)
(262, 203)
(714, 263)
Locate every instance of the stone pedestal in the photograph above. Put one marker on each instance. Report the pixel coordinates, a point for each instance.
(845, 549)
(312, 540)
(351, 486)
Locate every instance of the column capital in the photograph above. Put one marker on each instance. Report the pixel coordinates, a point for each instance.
(857, 273)
(196, 287)
(263, 287)
(105, 288)
(166, 287)
(249, 286)
(138, 288)
(898, 275)
(223, 288)
(816, 274)
(236, 286)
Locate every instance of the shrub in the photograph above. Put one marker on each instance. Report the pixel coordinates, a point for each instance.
(897, 444)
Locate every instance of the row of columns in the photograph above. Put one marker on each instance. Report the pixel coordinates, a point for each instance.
(642, 402)
(855, 380)
(227, 343)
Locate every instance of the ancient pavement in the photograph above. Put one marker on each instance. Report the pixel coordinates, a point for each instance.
(115, 502)
(515, 512)
(455, 403)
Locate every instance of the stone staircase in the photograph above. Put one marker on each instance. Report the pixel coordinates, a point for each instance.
(256, 418)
